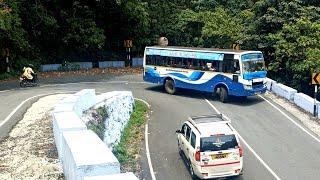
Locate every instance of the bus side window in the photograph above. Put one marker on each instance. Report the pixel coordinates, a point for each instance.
(150, 59)
(195, 63)
(236, 66)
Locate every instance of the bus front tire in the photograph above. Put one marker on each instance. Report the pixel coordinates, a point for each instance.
(169, 86)
(223, 94)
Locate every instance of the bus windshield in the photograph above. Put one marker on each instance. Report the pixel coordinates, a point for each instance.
(253, 62)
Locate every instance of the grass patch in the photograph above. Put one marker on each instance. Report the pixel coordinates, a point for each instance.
(128, 150)
(97, 125)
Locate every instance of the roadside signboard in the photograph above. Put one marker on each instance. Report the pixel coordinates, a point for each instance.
(127, 43)
(315, 78)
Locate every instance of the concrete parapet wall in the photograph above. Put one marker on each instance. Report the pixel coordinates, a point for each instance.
(119, 106)
(284, 91)
(137, 62)
(62, 122)
(122, 176)
(305, 102)
(86, 99)
(81, 151)
(86, 155)
(49, 67)
(107, 64)
(270, 83)
(84, 65)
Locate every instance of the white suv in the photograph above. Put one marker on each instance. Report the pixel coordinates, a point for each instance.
(210, 146)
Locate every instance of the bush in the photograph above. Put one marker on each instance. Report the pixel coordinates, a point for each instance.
(67, 66)
(97, 125)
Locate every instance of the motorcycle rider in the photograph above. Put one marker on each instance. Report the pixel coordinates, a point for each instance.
(29, 73)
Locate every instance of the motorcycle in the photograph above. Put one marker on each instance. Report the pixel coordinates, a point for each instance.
(25, 82)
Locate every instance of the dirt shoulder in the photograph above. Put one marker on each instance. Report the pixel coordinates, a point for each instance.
(29, 152)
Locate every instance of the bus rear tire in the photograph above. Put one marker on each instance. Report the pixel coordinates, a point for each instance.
(169, 86)
(223, 94)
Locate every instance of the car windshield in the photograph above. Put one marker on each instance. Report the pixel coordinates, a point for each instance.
(218, 143)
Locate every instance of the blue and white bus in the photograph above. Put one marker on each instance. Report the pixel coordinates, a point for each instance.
(222, 72)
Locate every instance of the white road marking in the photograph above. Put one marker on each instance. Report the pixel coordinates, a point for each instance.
(19, 106)
(248, 146)
(4, 91)
(100, 82)
(294, 122)
(147, 144)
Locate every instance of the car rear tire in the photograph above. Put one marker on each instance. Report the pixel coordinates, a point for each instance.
(223, 94)
(169, 86)
(193, 176)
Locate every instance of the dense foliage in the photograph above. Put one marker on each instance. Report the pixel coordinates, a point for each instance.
(51, 31)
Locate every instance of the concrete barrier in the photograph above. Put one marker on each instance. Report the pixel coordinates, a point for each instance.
(84, 65)
(306, 102)
(122, 176)
(49, 67)
(86, 99)
(119, 106)
(284, 91)
(62, 122)
(86, 155)
(137, 62)
(81, 151)
(118, 64)
(270, 83)
(107, 64)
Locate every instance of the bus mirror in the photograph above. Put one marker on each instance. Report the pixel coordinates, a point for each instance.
(235, 78)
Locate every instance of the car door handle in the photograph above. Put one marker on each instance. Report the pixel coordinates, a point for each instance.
(187, 149)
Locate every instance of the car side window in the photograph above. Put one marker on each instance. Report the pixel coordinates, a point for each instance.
(183, 129)
(188, 131)
(193, 140)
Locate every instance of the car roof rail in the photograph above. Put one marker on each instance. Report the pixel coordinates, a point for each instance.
(212, 118)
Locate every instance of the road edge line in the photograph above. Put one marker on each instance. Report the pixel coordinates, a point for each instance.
(294, 122)
(248, 146)
(153, 177)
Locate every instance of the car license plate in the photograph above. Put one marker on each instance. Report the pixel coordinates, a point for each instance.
(219, 156)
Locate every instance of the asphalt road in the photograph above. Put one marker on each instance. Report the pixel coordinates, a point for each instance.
(277, 148)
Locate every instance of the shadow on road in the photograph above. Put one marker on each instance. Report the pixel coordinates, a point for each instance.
(249, 101)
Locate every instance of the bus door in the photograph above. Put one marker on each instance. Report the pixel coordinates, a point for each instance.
(231, 66)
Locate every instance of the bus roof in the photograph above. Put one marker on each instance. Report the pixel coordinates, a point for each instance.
(181, 48)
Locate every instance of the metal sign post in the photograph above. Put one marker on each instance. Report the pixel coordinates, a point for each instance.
(128, 45)
(315, 101)
(315, 80)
